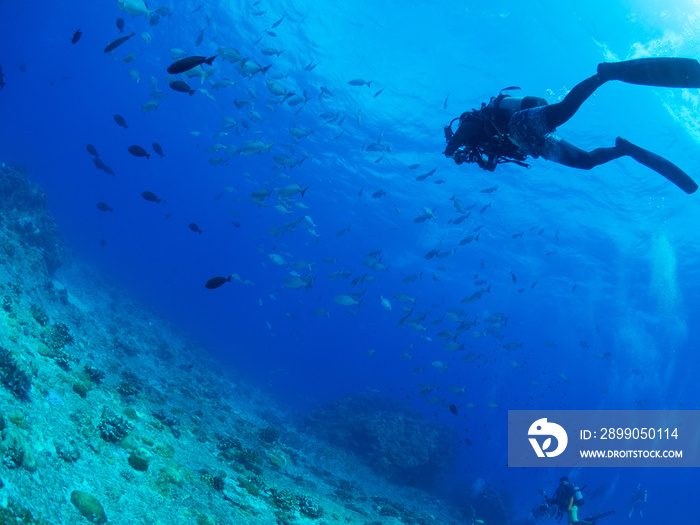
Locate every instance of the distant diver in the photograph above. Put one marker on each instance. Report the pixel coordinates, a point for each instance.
(545, 510)
(567, 500)
(509, 129)
(637, 501)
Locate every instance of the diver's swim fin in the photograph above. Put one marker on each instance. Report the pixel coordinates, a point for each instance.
(658, 164)
(660, 71)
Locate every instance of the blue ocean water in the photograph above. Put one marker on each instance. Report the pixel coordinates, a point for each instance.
(595, 271)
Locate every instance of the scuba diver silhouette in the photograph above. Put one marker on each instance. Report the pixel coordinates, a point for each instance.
(637, 501)
(567, 500)
(543, 510)
(509, 129)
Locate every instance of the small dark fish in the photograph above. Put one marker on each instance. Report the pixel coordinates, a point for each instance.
(92, 150)
(236, 224)
(414, 166)
(158, 149)
(379, 92)
(195, 228)
(278, 22)
(378, 193)
(200, 38)
(138, 151)
(360, 82)
(119, 41)
(182, 87)
(120, 120)
(103, 206)
(76, 37)
(215, 282)
(2, 84)
(120, 24)
(151, 197)
(273, 34)
(187, 63)
(193, 12)
(453, 409)
(425, 175)
(468, 239)
(103, 242)
(476, 295)
(102, 166)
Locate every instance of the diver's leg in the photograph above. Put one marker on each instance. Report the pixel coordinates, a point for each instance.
(656, 71)
(562, 111)
(658, 164)
(672, 72)
(567, 154)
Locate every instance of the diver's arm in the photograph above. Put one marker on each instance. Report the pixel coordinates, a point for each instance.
(457, 141)
(467, 131)
(487, 163)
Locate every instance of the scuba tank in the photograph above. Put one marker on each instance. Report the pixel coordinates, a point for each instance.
(578, 497)
(503, 106)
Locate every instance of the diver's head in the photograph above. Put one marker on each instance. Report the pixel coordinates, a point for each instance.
(464, 116)
(469, 133)
(563, 480)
